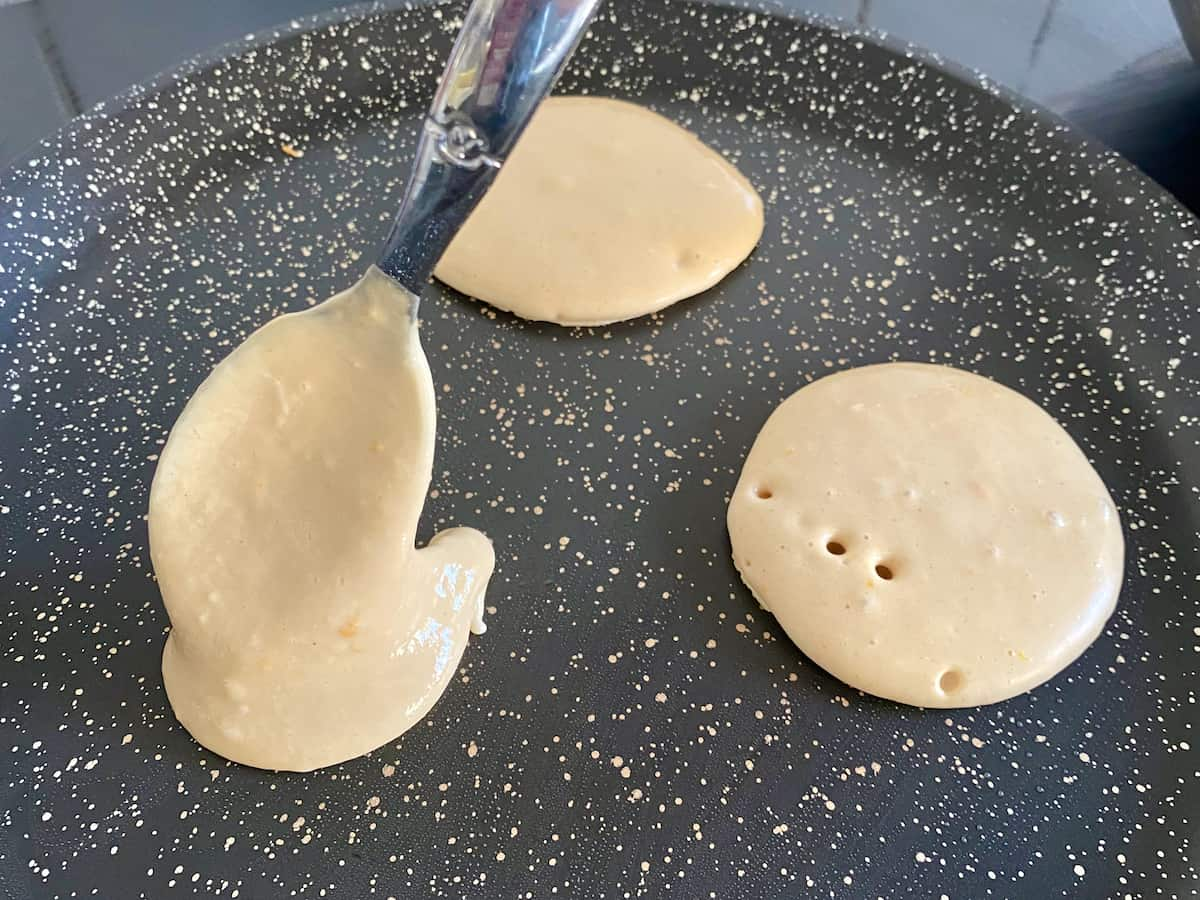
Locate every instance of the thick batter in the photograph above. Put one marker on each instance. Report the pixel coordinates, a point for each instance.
(926, 535)
(306, 629)
(604, 211)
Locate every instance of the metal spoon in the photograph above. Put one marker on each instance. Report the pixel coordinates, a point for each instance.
(506, 59)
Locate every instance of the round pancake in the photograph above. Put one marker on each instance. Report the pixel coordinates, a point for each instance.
(926, 535)
(604, 211)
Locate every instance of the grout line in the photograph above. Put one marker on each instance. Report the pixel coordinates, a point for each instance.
(864, 13)
(1035, 48)
(68, 99)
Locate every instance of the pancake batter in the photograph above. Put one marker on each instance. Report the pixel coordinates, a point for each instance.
(306, 629)
(604, 211)
(926, 535)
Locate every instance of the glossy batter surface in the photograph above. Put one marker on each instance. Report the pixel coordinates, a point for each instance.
(926, 535)
(604, 211)
(306, 629)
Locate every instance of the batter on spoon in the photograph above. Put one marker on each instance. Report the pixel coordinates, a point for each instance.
(926, 535)
(604, 211)
(306, 628)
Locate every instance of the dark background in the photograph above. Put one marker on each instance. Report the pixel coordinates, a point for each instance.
(1119, 69)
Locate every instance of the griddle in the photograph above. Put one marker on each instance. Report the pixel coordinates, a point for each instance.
(632, 724)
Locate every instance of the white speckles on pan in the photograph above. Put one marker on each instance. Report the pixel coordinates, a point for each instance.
(908, 216)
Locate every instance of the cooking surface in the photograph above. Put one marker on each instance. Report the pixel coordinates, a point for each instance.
(631, 722)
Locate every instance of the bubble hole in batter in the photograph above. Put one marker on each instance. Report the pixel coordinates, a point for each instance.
(835, 548)
(884, 571)
(951, 681)
(762, 492)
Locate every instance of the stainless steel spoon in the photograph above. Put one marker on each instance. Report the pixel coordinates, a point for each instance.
(506, 59)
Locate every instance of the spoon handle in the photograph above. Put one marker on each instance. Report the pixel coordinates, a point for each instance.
(506, 59)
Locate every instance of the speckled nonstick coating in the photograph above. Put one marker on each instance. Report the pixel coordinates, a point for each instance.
(631, 724)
